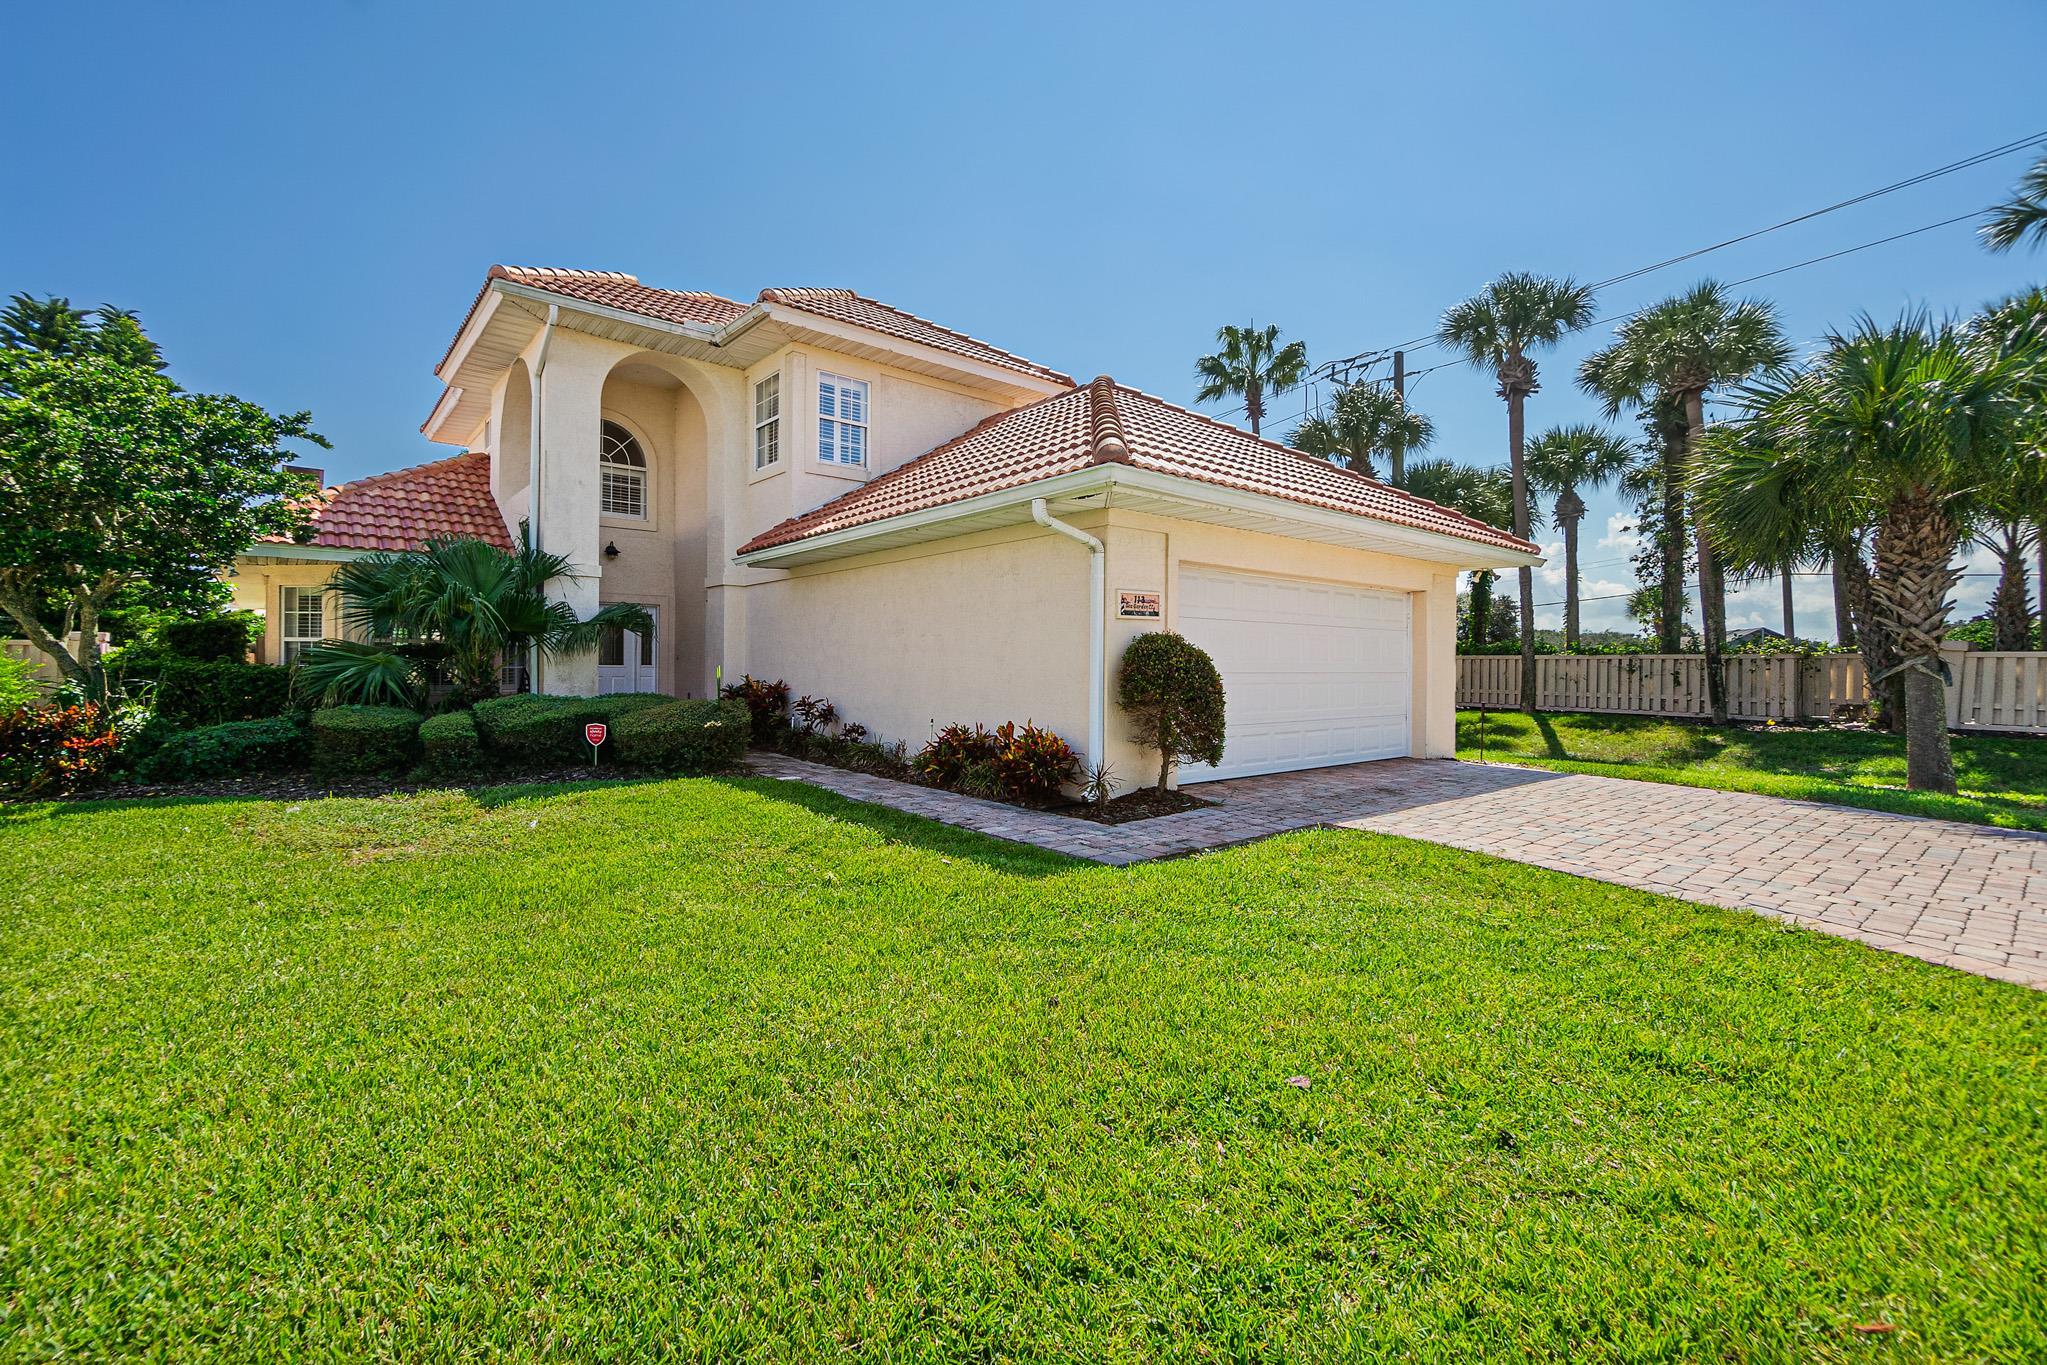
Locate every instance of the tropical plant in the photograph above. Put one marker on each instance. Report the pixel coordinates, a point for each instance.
(475, 602)
(1488, 495)
(767, 703)
(1899, 426)
(2023, 215)
(2016, 504)
(1174, 696)
(1495, 330)
(1365, 420)
(1251, 365)
(1676, 351)
(54, 327)
(1560, 462)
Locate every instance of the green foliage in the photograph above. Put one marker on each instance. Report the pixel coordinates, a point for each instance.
(362, 741)
(953, 751)
(1250, 364)
(767, 703)
(539, 729)
(190, 693)
(224, 638)
(1174, 696)
(1032, 765)
(1364, 421)
(2022, 216)
(54, 327)
(450, 743)
(274, 744)
(684, 736)
(52, 750)
(18, 684)
(1981, 631)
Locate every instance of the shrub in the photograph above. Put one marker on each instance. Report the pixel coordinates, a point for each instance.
(536, 728)
(815, 715)
(952, 751)
(1032, 764)
(450, 743)
(240, 746)
(767, 703)
(54, 749)
(1174, 696)
(18, 685)
(226, 638)
(190, 693)
(356, 741)
(685, 736)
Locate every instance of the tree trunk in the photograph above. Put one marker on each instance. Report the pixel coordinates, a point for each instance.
(1254, 408)
(2040, 548)
(1396, 462)
(24, 613)
(1844, 612)
(1671, 621)
(1524, 576)
(1481, 604)
(2011, 615)
(1790, 622)
(1570, 508)
(1165, 766)
(1915, 550)
(1879, 651)
(1712, 588)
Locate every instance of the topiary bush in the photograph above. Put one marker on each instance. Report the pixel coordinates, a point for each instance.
(362, 741)
(274, 744)
(1174, 696)
(226, 638)
(537, 729)
(685, 736)
(450, 744)
(190, 693)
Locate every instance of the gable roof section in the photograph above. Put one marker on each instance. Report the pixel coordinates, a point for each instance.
(445, 500)
(1107, 423)
(615, 289)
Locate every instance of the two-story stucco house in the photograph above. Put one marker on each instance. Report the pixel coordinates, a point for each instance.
(925, 528)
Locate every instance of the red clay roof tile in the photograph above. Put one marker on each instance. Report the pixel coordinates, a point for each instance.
(1107, 423)
(448, 499)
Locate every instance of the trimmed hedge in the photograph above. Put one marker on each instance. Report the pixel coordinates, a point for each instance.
(685, 736)
(450, 743)
(359, 741)
(190, 693)
(537, 728)
(239, 746)
(227, 638)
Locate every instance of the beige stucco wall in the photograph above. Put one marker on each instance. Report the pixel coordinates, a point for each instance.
(253, 585)
(985, 629)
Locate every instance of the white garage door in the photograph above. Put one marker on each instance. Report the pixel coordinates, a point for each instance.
(1317, 673)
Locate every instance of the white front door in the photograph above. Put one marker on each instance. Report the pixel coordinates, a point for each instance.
(1314, 673)
(625, 661)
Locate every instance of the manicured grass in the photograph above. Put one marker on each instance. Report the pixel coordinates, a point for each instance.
(2002, 781)
(735, 1068)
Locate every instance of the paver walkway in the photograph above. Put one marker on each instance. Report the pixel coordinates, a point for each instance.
(1964, 895)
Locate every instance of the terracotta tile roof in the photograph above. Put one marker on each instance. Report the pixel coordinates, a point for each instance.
(408, 507)
(1107, 423)
(615, 289)
(843, 305)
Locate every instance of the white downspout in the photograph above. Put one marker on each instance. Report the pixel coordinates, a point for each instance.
(533, 508)
(1097, 670)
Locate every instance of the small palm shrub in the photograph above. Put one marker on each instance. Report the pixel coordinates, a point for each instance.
(1174, 695)
(1031, 764)
(685, 736)
(53, 750)
(952, 751)
(450, 744)
(364, 741)
(767, 703)
(272, 744)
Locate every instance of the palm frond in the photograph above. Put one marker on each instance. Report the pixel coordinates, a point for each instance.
(352, 673)
(2024, 215)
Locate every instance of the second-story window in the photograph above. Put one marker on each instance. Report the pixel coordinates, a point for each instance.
(841, 420)
(767, 422)
(623, 466)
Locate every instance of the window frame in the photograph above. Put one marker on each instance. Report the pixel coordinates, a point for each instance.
(771, 424)
(865, 423)
(608, 469)
(291, 618)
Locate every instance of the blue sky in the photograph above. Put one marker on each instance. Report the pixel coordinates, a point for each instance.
(302, 199)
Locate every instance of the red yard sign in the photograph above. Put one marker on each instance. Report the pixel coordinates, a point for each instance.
(595, 732)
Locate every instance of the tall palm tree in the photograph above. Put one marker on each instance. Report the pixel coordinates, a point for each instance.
(1897, 426)
(1676, 350)
(1495, 330)
(1365, 420)
(2023, 215)
(1487, 494)
(1251, 365)
(2017, 326)
(465, 599)
(1560, 462)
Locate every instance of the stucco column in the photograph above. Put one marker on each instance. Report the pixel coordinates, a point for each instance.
(571, 390)
(1435, 668)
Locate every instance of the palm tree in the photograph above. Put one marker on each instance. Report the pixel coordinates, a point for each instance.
(1560, 462)
(2017, 326)
(1896, 426)
(465, 600)
(1495, 330)
(1251, 365)
(1365, 420)
(1676, 350)
(1487, 494)
(2023, 216)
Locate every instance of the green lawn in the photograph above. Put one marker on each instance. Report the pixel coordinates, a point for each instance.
(735, 1068)
(2002, 781)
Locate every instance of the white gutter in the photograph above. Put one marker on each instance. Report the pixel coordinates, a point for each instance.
(1097, 667)
(534, 504)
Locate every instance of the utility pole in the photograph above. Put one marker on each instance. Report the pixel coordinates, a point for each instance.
(1399, 470)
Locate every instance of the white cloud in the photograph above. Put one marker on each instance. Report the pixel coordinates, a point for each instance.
(1620, 534)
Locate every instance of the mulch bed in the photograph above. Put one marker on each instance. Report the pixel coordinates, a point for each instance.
(1138, 805)
(303, 786)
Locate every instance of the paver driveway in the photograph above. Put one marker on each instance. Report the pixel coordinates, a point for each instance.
(1963, 895)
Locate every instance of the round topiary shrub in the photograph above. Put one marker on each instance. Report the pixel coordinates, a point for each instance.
(1174, 696)
(359, 741)
(450, 743)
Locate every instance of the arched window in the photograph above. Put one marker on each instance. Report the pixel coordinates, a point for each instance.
(624, 468)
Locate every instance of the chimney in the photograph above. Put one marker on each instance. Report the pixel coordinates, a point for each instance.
(313, 472)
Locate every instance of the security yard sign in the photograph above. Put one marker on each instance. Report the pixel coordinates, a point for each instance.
(595, 732)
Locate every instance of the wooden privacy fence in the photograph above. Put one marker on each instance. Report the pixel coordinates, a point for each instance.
(1989, 690)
